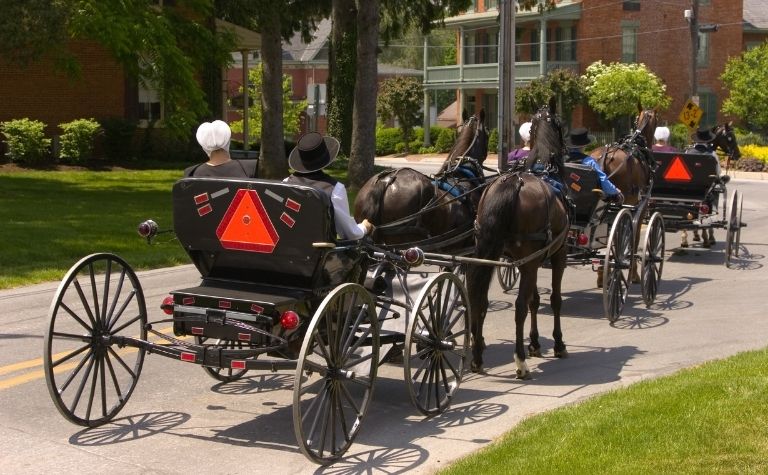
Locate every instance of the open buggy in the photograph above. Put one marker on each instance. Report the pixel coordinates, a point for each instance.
(688, 190)
(278, 292)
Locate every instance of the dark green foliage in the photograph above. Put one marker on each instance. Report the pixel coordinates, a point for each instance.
(386, 140)
(493, 141)
(446, 139)
(118, 138)
(400, 98)
(77, 140)
(26, 140)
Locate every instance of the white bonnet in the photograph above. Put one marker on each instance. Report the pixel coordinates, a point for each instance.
(661, 133)
(214, 136)
(525, 131)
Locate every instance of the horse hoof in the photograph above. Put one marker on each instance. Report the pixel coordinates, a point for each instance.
(696, 238)
(706, 244)
(561, 353)
(477, 368)
(523, 374)
(684, 244)
(534, 352)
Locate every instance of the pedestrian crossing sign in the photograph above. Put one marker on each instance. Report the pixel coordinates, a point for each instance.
(691, 114)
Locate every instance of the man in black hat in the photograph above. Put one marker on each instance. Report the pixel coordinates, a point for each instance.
(312, 153)
(579, 138)
(703, 140)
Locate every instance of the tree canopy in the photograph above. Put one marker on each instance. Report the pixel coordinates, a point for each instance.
(562, 84)
(615, 89)
(746, 77)
(400, 98)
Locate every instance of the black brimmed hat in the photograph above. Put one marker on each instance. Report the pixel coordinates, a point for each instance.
(579, 137)
(313, 152)
(703, 135)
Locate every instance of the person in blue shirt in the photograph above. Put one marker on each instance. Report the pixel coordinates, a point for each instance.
(579, 138)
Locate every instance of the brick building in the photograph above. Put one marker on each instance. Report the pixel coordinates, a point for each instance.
(579, 32)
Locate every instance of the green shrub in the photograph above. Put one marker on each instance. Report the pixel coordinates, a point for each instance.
(76, 143)
(386, 139)
(745, 137)
(431, 149)
(26, 140)
(493, 141)
(415, 145)
(679, 136)
(399, 147)
(118, 138)
(446, 139)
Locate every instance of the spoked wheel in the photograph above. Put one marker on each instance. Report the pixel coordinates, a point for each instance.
(436, 343)
(653, 258)
(89, 372)
(225, 375)
(618, 259)
(734, 228)
(335, 373)
(741, 223)
(507, 276)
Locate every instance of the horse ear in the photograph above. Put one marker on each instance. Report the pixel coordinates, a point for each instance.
(464, 115)
(553, 104)
(639, 107)
(481, 115)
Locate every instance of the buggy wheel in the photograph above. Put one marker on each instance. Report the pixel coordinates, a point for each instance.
(89, 371)
(734, 227)
(653, 258)
(436, 343)
(225, 375)
(335, 373)
(618, 259)
(507, 276)
(741, 223)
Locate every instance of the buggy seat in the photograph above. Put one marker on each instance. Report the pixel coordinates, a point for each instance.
(262, 232)
(580, 181)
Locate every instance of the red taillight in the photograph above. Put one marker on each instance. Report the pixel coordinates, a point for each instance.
(289, 320)
(703, 208)
(167, 305)
(414, 256)
(582, 240)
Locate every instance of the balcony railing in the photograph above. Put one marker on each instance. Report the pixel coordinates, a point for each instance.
(486, 75)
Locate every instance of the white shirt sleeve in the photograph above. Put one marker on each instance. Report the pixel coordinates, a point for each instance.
(346, 226)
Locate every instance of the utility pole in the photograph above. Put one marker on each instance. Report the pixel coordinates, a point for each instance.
(506, 80)
(692, 16)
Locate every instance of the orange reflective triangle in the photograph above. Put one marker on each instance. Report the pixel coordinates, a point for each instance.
(246, 225)
(677, 171)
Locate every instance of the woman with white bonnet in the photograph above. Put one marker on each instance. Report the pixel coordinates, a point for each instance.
(214, 138)
(519, 155)
(662, 140)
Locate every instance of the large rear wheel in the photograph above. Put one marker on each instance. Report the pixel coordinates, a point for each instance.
(734, 228)
(618, 259)
(89, 372)
(436, 343)
(653, 258)
(335, 373)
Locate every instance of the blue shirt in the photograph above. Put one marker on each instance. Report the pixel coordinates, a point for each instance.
(608, 188)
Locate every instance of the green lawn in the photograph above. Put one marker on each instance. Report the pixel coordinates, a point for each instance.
(709, 419)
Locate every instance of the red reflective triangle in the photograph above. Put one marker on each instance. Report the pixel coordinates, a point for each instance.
(246, 225)
(677, 170)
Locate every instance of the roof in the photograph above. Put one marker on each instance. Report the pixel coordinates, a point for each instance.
(297, 50)
(755, 15)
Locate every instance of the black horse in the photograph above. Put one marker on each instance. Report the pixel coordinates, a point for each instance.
(522, 216)
(408, 207)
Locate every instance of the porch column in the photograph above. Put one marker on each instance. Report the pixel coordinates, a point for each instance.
(246, 142)
(543, 46)
(426, 95)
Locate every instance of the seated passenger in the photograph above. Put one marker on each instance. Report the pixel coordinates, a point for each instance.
(214, 138)
(579, 138)
(312, 153)
(702, 143)
(518, 155)
(662, 141)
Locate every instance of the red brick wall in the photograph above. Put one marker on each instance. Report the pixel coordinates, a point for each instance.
(40, 92)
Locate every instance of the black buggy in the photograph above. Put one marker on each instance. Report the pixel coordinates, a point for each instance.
(278, 292)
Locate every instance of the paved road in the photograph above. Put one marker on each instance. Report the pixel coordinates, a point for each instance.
(181, 421)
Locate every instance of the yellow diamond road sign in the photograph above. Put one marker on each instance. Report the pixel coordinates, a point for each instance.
(691, 114)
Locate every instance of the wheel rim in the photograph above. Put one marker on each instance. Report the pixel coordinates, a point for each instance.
(732, 227)
(99, 301)
(436, 344)
(616, 266)
(335, 374)
(653, 258)
(738, 230)
(507, 276)
(225, 375)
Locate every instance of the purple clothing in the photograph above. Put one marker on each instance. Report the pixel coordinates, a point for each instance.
(664, 148)
(516, 155)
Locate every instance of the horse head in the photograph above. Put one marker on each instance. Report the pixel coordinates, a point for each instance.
(645, 124)
(725, 140)
(548, 143)
(472, 142)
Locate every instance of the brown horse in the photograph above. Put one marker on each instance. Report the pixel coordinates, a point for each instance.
(522, 217)
(629, 165)
(408, 207)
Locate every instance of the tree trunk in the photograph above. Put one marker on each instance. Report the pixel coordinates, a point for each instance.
(273, 163)
(341, 77)
(364, 114)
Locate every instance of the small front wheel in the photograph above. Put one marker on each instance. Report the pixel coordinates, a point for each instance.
(507, 275)
(653, 258)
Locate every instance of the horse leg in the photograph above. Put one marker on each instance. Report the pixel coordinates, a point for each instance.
(524, 298)
(696, 237)
(711, 236)
(706, 241)
(534, 347)
(478, 279)
(556, 300)
(684, 238)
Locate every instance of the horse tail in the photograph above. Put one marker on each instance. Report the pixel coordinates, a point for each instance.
(369, 206)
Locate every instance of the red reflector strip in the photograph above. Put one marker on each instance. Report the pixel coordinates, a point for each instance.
(225, 304)
(201, 198)
(237, 364)
(203, 210)
(188, 300)
(185, 356)
(292, 205)
(197, 330)
(575, 177)
(257, 308)
(576, 187)
(287, 220)
(244, 336)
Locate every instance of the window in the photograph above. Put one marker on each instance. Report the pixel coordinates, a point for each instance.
(491, 4)
(565, 44)
(708, 103)
(150, 107)
(469, 49)
(535, 45)
(702, 56)
(629, 43)
(631, 5)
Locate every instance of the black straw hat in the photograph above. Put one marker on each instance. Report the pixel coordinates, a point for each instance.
(313, 152)
(702, 135)
(579, 137)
